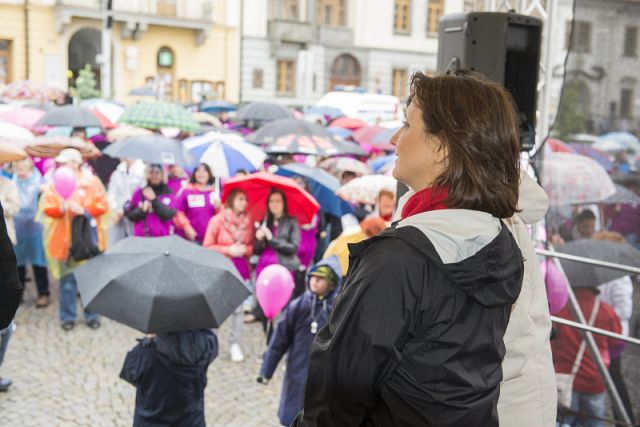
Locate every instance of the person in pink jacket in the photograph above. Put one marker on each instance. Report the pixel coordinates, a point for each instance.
(196, 204)
(231, 233)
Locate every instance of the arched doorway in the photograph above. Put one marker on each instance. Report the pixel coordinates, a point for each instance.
(345, 71)
(84, 46)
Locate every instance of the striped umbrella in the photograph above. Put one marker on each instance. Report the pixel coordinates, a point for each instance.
(226, 155)
(158, 115)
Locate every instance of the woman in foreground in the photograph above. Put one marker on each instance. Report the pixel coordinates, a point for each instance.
(416, 336)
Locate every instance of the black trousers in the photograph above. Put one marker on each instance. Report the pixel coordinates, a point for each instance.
(42, 278)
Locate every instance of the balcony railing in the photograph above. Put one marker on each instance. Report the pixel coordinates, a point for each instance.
(196, 10)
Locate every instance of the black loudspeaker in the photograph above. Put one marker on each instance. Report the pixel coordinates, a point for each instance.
(505, 47)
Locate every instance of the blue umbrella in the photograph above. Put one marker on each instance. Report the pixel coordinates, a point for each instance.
(321, 185)
(217, 106)
(331, 112)
(595, 154)
(341, 132)
(379, 164)
(68, 130)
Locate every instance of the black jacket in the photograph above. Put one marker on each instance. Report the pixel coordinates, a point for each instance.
(285, 242)
(10, 286)
(164, 212)
(413, 341)
(170, 374)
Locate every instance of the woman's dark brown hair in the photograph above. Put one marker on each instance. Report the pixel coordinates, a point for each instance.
(231, 198)
(476, 121)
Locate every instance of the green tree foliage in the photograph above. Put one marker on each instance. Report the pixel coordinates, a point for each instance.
(571, 118)
(85, 84)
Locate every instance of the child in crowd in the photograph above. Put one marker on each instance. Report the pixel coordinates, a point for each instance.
(295, 331)
(170, 374)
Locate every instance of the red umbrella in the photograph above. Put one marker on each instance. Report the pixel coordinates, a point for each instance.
(104, 120)
(300, 204)
(557, 146)
(347, 123)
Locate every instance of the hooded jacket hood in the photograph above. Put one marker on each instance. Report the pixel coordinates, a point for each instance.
(472, 248)
(333, 262)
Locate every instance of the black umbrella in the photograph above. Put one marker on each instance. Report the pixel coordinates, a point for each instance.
(582, 275)
(161, 285)
(262, 112)
(268, 133)
(151, 149)
(69, 115)
(292, 136)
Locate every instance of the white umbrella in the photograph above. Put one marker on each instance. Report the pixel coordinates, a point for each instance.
(110, 110)
(365, 189)
(575, 179)
(11, 131)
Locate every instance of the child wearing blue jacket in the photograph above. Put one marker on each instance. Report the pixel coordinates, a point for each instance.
(295, 332)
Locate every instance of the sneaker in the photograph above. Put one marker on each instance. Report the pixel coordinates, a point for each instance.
(5, 383)
(43, 301)
(68, 325)
(93, 324)
(236, 353)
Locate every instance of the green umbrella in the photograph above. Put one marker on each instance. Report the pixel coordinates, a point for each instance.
(158, 115)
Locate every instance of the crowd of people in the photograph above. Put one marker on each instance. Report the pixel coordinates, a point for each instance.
(452, 239)
(152, 200)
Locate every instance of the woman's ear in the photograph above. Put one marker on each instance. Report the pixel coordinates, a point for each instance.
(442, 152)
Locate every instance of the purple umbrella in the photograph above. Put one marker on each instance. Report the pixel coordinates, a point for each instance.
(599, 156)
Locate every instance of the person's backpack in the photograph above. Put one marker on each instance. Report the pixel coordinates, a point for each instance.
(84, 238)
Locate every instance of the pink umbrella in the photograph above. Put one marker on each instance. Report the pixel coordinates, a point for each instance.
(24, 117)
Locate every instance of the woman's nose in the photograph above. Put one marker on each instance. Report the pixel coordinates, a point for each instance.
(394, 138)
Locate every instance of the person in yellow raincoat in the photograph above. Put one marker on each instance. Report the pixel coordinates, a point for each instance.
(89, 196)
(369, 227)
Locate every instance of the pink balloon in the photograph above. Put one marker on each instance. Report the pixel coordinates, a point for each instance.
(64, 181)
(274, 287)
(557, 291)
(48, 164)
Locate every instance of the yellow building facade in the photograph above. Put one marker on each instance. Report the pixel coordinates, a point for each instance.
(179, 50)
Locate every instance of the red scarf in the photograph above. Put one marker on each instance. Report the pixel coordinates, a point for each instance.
(424, 201)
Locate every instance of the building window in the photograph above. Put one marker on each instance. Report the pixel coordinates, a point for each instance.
(183, 90)
(630, 41)
(402, 16)
(5, 61)
(257, 78)
(581, 41)
(284, 9)
(345, 71)
(399, 83)
(434, 13)
(286, 80)
(331, 12)
(626, 103)
(201, 90)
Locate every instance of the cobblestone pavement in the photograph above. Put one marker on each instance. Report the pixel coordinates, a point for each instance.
(71, 378)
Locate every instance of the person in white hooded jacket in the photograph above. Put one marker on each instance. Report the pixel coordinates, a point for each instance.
(528, 396)
(442, 320)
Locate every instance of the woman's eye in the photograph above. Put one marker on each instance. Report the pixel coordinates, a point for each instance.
(405, 124)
